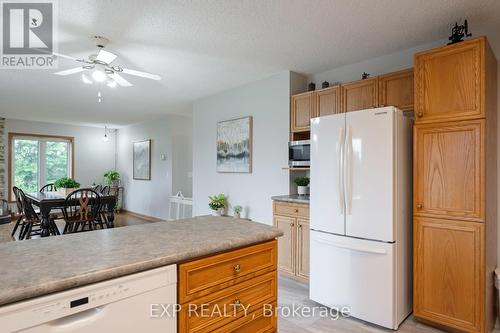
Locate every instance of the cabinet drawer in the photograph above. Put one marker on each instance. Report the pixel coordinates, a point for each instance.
(287, 209)
(207, 275)
(218, 309)
(257, 322)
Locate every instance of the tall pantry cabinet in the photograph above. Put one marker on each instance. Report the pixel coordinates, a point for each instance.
(455, 205)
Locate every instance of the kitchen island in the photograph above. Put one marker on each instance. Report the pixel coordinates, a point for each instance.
(216, 257)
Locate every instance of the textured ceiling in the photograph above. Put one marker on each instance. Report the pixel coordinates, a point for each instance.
(201, 47)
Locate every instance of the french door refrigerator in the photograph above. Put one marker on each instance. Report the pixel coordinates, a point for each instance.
(360, 214)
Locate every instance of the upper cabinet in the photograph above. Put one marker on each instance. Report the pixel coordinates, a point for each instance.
(449, 82)
(360, 95)
(302, 110)
(328, 101)
(396, 89)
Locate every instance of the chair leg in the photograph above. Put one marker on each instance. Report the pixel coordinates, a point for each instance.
(28, 231)
(17, 225)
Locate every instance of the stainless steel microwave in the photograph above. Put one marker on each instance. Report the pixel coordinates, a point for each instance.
(299, 153)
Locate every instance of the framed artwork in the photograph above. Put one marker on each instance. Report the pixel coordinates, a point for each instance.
(142, 160)
(234, 145)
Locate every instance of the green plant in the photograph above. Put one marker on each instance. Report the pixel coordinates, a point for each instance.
(111, 176)
(237, 209)
(66, 182)
(217, 201)
(301, 181)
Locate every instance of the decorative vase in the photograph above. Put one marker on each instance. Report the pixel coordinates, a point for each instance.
(218, 212)
(325, 85)
(65, 191)
(311, 86)
(302, 190)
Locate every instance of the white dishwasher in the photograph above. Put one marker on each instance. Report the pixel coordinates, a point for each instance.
(119, 305)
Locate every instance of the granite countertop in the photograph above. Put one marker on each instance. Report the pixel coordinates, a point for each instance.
(41, 266)
(294, 198)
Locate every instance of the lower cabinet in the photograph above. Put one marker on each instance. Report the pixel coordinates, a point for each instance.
(234, 291)
(293, 247)
(448, 273)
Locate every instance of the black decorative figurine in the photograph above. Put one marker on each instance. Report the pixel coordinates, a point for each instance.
(364, 76)
(325, 85)
(311, 86)
(459, 32)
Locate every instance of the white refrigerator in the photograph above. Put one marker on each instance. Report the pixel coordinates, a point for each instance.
(360, 214)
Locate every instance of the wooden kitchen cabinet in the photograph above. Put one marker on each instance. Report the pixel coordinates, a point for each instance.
(328, 101)
(449, 261)
(450, 82)
(286, 249)
(293, 247)
(302, 110)
(302, 248)
(396, 89)
(360, 95)
(455, 187)
(448, 167)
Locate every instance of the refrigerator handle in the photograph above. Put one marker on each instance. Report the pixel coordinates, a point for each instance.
(348, 170)
(340, 166)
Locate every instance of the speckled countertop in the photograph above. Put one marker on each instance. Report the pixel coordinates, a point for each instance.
(294, 198)
(41, 266)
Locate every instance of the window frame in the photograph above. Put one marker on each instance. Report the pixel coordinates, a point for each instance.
(43, 137)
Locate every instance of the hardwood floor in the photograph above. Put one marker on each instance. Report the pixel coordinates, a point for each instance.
(121, 220)
(292, 293)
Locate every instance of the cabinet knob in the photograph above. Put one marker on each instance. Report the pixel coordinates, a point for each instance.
(291, 224)
(420, 206)
(300, 225)
(237, 268)
(419, 114)
(296, 210)
(237, 302)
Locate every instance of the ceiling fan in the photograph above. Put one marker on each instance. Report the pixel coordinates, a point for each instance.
(102, 70)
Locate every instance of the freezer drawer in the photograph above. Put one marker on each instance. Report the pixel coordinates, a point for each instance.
(355, 273)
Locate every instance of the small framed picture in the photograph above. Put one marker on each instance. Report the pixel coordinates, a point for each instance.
(142, 160)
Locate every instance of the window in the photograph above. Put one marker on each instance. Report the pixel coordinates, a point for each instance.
(38, 160)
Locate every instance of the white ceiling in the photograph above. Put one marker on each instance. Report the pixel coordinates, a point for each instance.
(202, 47)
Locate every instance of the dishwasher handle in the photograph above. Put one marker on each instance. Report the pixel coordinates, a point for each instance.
(68, 323)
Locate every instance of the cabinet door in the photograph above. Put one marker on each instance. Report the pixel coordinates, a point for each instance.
(449, 170)
(360, 95)
(449, 81)
(328, 101)
(303, 248)
(448, 272)
(302, 111)
(286, 243)
(396, 89)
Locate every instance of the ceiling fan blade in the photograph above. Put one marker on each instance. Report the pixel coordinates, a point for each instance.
(68, 57)
(70, 71)
(120, 80)
(106, 57)
(141, 74)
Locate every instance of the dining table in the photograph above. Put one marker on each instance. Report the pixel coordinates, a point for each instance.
(48, 201)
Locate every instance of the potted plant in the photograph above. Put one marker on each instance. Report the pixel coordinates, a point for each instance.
(302, 185)
(112, 178)
(237, 211)
(66, 185)
(217, 204)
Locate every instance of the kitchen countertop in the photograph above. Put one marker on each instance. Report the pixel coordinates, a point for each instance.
(293, 198)
(41, 266)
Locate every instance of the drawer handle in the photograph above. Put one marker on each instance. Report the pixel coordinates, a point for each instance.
(237, 302)
(420, 206)
(420, 114)
(237, 268)
(296, 210)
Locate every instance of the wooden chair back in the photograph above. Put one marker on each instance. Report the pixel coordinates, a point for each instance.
(82, 205)
(48, 188)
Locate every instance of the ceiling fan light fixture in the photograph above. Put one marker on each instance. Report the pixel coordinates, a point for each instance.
(99, 76)
(86, 79)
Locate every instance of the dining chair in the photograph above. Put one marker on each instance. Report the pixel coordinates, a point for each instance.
(105, 190)
(97, 188)
(19, 206)
(31, 221)
(81, 210)
(48, 188)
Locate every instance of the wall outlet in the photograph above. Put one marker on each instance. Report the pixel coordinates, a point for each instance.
(163, 157)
